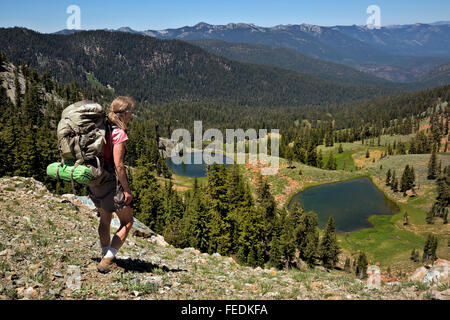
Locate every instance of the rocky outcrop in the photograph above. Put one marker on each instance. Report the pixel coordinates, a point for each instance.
(435, 274)
(166, 146)
(7, 80)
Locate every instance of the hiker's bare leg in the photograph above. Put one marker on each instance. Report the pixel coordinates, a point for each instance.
(126, 222)
(104, 228)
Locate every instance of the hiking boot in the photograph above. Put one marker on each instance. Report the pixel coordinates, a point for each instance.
(107, 264)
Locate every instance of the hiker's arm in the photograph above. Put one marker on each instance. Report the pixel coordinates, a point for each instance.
(119, 154)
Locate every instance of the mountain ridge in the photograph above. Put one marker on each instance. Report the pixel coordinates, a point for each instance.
(390, 47)
(156, 70)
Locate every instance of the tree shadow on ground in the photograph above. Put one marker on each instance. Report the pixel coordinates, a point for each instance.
(141, 266)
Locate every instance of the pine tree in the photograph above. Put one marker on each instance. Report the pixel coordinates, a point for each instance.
(388, 177)
(331, 163)
(407, 180)
(289, 156)
(443, 188)
(430, 216)
(196, 221)
(307, 237)
(394, 183)
(287, 239)
(147, 201)
(429, 250)
(347, 266)
(173, 233)
(432, 166)
(266, 201)
(217, 188)
(276, 254)
(319, 159)
(250, 249)
(220, 233)
(329, 248)
(361, 266)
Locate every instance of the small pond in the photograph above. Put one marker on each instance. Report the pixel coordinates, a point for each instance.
(194, 170)
(350, 203)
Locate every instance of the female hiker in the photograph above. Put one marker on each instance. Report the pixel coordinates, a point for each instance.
(114, 195)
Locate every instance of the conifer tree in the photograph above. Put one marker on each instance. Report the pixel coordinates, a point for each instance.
(430, 216)
(250, 248)
(432, 166)
(329, 248)
(196, 221)
(276, 255)
(220, 233)
(388, 177)
(407, 181)
(266, 201)
(394, 183)
(347, 266)
(414, 255)
(361, 266)
(331, 163)
(147, 200)
(307, 237)
(429, 251)
(287, 238)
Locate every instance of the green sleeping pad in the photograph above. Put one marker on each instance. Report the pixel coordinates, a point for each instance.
(81, 174)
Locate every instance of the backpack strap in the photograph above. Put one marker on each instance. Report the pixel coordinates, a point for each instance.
(57, 169)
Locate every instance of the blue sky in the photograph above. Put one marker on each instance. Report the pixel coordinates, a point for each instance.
(51, 16)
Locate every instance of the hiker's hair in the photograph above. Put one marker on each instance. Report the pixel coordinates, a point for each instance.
(117, 112)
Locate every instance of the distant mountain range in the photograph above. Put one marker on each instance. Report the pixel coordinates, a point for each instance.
(401, 53)
(156, 70)
(287, 59)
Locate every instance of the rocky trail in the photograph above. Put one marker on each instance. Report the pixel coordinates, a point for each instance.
(49, 249)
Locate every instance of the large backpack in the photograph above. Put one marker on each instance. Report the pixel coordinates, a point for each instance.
(82, 134)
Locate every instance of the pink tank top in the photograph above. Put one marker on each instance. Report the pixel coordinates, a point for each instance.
(118, 136)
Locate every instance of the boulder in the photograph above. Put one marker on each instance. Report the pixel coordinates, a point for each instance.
(439, 272)
(159, 240)
(419, 274)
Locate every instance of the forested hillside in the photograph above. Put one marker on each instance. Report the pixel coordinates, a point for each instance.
(379, 112)
(288, 59)
(156, 70)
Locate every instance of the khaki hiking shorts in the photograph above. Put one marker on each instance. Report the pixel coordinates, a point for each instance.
(108, 196)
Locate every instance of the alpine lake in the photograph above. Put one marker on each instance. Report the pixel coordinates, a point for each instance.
(191, 169)
(350, 203)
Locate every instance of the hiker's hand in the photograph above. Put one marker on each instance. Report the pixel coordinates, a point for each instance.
(128, 198)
